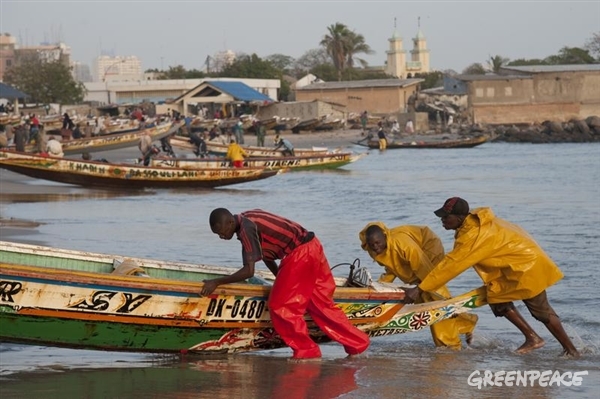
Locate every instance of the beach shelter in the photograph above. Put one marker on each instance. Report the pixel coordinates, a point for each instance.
(8, 92)
(222, 95)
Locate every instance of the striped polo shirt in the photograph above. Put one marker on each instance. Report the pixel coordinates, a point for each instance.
(267, 236)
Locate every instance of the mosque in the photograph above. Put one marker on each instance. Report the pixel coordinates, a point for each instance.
(398, 63)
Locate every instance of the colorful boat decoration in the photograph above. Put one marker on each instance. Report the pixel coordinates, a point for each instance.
(79, 299)
(218, 148)
(128, 176)
(468, 142)
(310, 162)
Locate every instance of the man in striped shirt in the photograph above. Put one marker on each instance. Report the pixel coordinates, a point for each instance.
(303, 284)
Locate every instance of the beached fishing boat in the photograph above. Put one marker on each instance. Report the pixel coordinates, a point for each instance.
(218, 148)
(307, 162)
(78, 299)
(126, 176)
(114, 141)
(309, 124)
(10, 119)
(286, 123)
(330, 124)
(468, 142)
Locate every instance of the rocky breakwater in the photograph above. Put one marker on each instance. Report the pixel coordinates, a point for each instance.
(573, 131)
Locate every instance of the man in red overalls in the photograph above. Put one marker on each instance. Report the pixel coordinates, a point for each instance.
(303, 284)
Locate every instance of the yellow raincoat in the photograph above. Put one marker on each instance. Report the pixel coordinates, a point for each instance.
(235, 152)
(511, 264)
(412, 252)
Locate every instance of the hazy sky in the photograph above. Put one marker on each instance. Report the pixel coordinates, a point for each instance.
(169, 33)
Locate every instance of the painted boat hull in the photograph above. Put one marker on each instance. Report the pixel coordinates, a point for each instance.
(126, 176)
(325, 161)
(71, 299)
(252, 151)
(465, 143)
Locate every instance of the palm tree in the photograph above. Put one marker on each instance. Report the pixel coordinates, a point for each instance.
(336, 44)
(496, 62)
(342, 45)
(356, 45)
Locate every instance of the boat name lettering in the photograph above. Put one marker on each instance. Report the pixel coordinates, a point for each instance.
(248, 309)
(160, 174)
(100, 300)
(8, 289)
(83, 167)
(282, 163)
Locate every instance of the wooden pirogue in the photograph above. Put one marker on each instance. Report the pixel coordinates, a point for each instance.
(460, 143)
(126, 176)
(79, 299)
(252, 151)
(306, 162)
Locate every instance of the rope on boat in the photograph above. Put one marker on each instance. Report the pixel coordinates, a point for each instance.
(354, 265)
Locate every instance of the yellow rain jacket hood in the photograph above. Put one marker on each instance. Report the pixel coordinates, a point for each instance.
(411, 254)
(511, 264)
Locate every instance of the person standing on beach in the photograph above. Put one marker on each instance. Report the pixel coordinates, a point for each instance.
(409, 253)
(511, 264)
(303, 279)
(21, 136)
(260, 134)
(381, 136)
(238, 130)
(409, 128)
(364, 118)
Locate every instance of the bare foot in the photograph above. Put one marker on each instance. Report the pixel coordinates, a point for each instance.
(531, 344)
(571, 353)
(469, 338)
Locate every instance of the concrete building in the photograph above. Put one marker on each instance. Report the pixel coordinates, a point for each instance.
(11, 54)
(81, 72)
(117, 68)
(46, 52)
(7, 53)
(530, 94)
(159, 91)
(220, 60)
(378, 96)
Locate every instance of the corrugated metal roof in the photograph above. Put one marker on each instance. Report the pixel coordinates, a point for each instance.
(359, 84)
(10, 93)
(491, 77)
(554, 68)
(239, 91)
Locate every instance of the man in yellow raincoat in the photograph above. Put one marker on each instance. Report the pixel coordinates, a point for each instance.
(410, 253)
(511, 264)
(236, 154)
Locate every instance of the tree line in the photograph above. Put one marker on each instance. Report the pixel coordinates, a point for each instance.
(335, 59)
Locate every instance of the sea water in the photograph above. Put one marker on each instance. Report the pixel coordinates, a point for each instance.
(551, 190)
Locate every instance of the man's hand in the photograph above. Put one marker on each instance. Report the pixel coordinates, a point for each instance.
(209, 287)
(411, 294)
